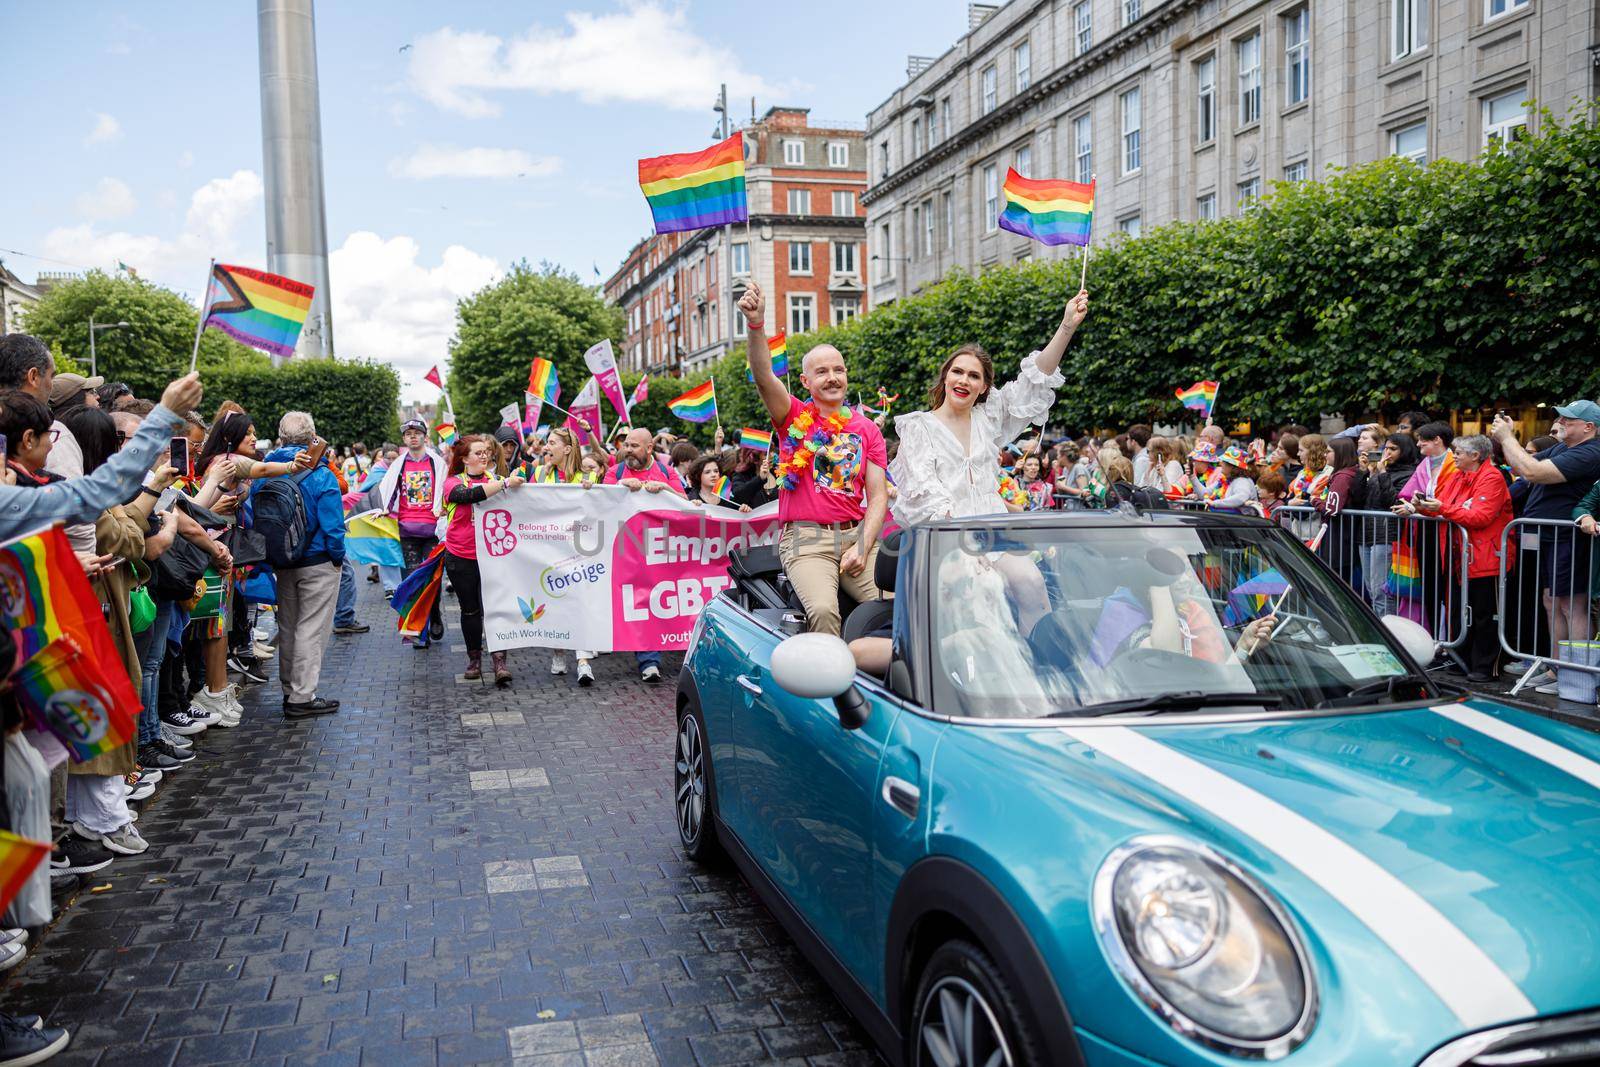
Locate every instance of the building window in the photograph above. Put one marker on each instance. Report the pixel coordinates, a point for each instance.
(1083, 147)
(1024, 164)
(845, 306)
(916, 138)
(1205, 208)
(883, 159)
(1129, 225)
(794, 153)
(991, 199)
(1297, 56)
(799, 257)
(1205, 82)
(1249, 192)
(802, 312)
(949, 206)
(741, 258)
(1493, 9)
(1296, 172)
(933, 126)
(844, 257)
(838, 154)
(1504, 117)
(1411, 142)
(927, 227)
(1131, 129)
(916, 227)
(799, 201)
(1083, 25)
(990, 89)
(1022, 60)
(885, 251)
(1249, 54)
(946, 117)
(844, 202)
(1408, 27)
(1130, 12)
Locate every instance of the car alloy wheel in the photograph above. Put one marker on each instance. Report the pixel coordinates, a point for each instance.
(959, 1028)
(690, 780)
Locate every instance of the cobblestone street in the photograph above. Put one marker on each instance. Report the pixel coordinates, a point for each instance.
(441, 873)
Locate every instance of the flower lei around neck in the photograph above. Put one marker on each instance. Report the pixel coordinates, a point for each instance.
(804, 437)
(1217, 487)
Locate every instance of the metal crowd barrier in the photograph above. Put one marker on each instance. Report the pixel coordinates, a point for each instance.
(1546, 590)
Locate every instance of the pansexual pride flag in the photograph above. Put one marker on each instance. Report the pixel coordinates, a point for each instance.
(258, 309)
(696, 189)
(778, 347)
(1051, 212)
(760, 440)
(698, 404)
(1201, 397)
(543, 382)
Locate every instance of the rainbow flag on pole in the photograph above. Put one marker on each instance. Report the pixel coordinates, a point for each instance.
(760, 440)
(698, 404)
(1201, 397)
(253, 307)
(694, 190)
(416, 594)
(18, 858)
(1051, 212)
(778, 346)
(70, 695)
(543, 382)
(447, 433)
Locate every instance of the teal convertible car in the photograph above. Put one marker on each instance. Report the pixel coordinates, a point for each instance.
(1145, 788)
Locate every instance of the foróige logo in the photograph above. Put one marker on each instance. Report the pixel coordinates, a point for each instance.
(559, 580)
(498, 536)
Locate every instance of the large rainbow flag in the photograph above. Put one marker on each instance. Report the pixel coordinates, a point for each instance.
(698, 404)
(18, 858)
(416, 594)
(1051, 212)
(253, 307)
(543, 381)
(778, 347)
(1201, 397)
(694, 190)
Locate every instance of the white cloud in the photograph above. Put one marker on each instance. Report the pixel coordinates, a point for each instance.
(109, 199)
(389, 306)
(211, 227)
(186, 160)
(106, 128)
(448, 161)
(645, 53)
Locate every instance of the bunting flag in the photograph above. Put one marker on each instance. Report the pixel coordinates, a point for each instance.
(698, 404)
(433, 376)
(416, 594)
(760, 440)
(641, 392)
(18, 859)
(258, 309)
(1051, 212)
(543, 382)
(69, 695)
(778, 347)
(373, 537)
(1201, 397)
(694, 190)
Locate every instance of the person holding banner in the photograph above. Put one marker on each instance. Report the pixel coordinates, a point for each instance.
(470, 483)
(832, 490)
(563, 466)
(413, 492)
(640, 469)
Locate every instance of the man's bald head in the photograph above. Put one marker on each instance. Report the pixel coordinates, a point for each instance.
(817, 356)
(638, 449)
(822, 371)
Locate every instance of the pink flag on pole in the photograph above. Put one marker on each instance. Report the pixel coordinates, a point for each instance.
(583, 417)
(641, 392)
(532, 406)
(603, 365)
(433, 376)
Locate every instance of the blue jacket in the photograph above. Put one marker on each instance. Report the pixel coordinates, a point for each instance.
(324, 509)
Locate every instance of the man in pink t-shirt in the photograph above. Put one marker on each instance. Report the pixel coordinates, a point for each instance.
(412, 491)
(640, 469)
(832, 494)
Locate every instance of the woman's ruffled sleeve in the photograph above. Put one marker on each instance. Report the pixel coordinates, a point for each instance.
(923, 494)
(1024, 401)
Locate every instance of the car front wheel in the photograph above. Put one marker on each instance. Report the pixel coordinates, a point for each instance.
(967, 1015)
(691, 788)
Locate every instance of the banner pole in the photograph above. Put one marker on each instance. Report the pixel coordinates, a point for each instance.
(205, 308)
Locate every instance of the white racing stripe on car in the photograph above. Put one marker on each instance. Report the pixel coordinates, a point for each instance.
(1564, 759)
(1469, 983)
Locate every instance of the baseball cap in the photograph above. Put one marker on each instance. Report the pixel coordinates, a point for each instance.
(1585, 410)
(504, 434)
(413, 424)
(68, 385)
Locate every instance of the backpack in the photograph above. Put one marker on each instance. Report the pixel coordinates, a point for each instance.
(280, 517)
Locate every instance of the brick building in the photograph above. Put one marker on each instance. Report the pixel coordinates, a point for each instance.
(808, 229)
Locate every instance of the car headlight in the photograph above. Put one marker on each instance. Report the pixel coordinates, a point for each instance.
(1205, 946)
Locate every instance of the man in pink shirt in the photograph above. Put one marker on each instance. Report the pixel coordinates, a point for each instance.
(412, 491)
(832, 495)
(640, 469)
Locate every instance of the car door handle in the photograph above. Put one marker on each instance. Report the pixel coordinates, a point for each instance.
(902, 796)
(749, 684)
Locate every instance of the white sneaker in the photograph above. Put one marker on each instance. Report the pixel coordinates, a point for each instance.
(11, 955)
(558, 665)
(175, 739)
(651, 673)
(1549, 689)
(210, 707)
(585, 673)
(263, 650)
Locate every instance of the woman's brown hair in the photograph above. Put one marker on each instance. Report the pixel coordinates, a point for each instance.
(1314, 446)
(459, 450)
(936, 394)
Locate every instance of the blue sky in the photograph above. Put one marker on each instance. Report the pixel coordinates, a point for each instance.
(504, 132)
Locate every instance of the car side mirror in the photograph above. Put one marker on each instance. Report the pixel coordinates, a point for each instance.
(1413, 637)
(820, 667)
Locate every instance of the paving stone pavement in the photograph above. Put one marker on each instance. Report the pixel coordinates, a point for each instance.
(442, 873)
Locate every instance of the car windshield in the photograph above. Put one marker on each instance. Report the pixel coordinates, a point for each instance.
(1035, 621)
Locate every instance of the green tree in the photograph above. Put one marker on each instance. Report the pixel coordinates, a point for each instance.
(351, 401)
(155, 346)
(546, 312)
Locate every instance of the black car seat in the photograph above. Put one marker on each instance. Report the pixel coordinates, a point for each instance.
(875, 614)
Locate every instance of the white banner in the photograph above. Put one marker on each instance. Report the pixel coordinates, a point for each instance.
(603, 568)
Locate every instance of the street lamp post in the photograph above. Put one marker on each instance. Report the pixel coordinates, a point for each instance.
(93, 329)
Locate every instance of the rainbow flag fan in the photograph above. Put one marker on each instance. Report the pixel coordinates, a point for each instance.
(698, 404)
(1050, 212)
(543, 382)
(258, 309)
(694, 190)
(760, 440)
(1201, 397)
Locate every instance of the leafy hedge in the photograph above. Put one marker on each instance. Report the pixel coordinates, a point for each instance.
(350, 401)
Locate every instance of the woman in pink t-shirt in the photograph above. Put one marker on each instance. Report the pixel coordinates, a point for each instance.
(471, 483)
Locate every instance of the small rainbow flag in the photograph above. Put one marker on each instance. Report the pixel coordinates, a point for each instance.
(253, 307)
(760, 440)
(446, 432)
(1201, 397)
(18, 858)
(698, 404)
(694, 190)
(1051, 212)
(723, 489)
(542, 380)
(416, 594)
(68, 694)
(778, 346)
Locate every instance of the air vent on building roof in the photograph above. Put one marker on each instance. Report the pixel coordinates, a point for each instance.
(976, 13)
(917, 64)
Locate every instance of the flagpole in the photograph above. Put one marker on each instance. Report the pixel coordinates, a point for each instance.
(1083, 271)
(714, 405)
(205, 308)
(1211, 411)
